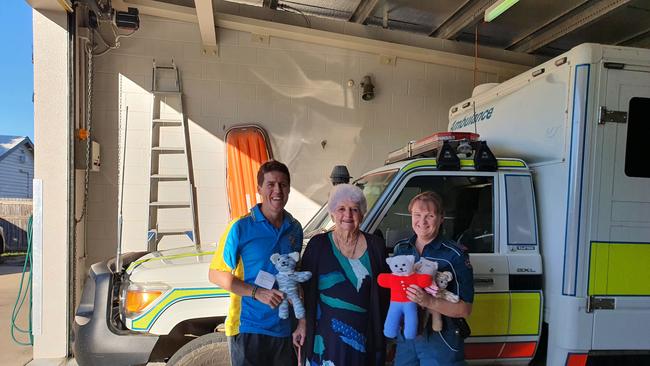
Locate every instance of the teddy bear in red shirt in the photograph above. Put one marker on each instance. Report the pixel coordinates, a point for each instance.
(402, 277)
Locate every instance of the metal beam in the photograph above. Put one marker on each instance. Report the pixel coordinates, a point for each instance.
(566, 24)
(634, 39)
(158, 9)
(351, 39)
(205, 16)
(470, 13)
(363, 11)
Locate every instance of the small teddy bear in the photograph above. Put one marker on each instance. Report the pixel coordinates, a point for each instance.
(403, 275)
(438, 290)
(442, 280)
(288, 283)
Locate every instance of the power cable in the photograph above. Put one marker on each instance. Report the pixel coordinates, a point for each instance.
(88, 125)
(291, 9)
(22, 296)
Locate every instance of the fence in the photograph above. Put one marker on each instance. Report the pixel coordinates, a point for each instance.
(14, 216)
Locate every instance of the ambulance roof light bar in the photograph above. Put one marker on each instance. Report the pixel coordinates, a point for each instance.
(446, 147)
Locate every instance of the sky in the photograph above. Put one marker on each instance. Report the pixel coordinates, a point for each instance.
(16, 70)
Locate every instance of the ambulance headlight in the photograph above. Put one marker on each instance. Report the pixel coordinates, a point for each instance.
(135, 298)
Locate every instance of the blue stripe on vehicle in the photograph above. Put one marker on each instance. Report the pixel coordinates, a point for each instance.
(574, 180)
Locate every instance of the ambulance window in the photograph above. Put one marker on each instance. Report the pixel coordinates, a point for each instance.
(468, 205)
(373, 186)
(520, 208)
(638, 128)
(320, 223)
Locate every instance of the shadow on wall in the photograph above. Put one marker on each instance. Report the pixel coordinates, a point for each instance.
(298, 92)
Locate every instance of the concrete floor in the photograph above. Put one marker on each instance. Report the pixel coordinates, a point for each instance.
(12, 354)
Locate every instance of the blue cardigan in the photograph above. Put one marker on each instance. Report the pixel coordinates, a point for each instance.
(379, 296)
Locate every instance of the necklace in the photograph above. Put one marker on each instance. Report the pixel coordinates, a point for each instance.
(354, 247)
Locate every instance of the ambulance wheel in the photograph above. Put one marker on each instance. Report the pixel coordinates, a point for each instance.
(207, 350)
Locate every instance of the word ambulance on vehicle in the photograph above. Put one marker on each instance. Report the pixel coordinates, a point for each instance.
(557, 227)
(580, 121)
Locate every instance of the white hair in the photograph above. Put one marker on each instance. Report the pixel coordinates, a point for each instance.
(346, 192)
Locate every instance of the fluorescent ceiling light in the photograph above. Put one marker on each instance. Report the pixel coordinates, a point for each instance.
(498, 8)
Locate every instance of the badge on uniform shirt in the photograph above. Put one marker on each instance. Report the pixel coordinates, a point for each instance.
(468, 264)
(292, 241)
(265, 280)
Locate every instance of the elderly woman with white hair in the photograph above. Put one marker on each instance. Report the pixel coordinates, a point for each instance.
(345, 306)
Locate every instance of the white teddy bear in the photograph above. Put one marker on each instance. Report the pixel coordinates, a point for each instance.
(288, 280)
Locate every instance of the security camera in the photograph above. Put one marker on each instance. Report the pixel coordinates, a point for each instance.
(367, 89)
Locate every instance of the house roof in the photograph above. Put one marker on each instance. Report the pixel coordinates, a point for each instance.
(9, 143)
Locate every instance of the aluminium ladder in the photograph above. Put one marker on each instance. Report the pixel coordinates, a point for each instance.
(172, 214)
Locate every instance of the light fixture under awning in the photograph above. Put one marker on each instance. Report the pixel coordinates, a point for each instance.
(498, 8)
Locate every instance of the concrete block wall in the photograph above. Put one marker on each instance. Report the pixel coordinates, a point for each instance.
(297, 91)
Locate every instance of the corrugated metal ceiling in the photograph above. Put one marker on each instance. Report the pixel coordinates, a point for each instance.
(413, 15)
(545, 28)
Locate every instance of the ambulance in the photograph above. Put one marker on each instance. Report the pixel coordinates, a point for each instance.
(546, 183)
(580, 122)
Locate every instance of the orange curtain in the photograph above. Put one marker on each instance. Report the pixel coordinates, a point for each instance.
(246, 151)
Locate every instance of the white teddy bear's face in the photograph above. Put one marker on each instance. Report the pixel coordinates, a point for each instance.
(401, 265)
(285, 262)
(425, 266)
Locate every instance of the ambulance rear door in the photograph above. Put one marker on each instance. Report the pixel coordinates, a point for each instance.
(618, 282)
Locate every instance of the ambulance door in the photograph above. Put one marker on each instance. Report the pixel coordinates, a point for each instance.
(471, 217)
(520, 243)
(619, 245)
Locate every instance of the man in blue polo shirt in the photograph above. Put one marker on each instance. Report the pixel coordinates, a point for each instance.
(242, 265)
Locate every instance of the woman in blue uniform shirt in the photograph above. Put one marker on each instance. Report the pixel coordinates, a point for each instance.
(432, 348)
